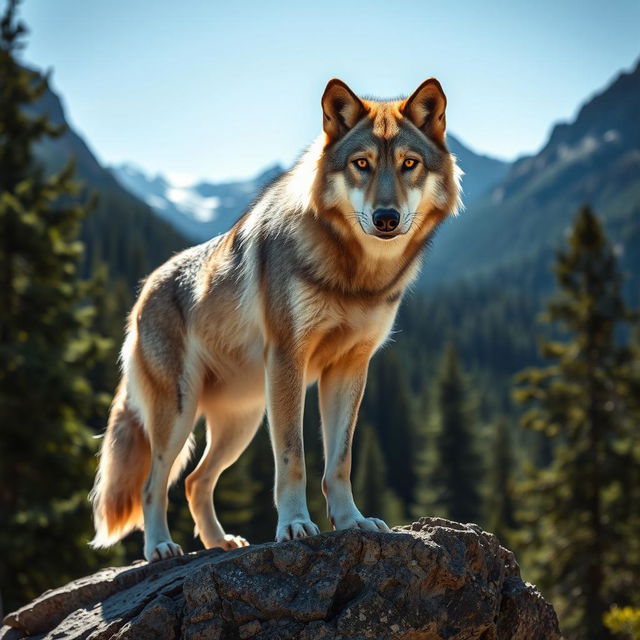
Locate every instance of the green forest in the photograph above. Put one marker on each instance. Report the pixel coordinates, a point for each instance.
(515, 407)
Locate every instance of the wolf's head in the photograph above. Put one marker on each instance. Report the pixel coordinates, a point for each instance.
(385, 173)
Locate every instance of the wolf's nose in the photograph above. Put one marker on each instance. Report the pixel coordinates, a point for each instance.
(386, 219)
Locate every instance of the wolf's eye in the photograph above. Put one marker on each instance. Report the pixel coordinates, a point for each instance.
(361, 163)
(409, 163)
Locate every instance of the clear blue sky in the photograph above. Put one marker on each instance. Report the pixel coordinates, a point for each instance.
(221, 90)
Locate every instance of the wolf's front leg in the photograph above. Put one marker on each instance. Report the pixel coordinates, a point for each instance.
(341, 388)
(285, 403)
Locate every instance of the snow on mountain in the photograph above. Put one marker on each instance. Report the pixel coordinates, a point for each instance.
(198, 209)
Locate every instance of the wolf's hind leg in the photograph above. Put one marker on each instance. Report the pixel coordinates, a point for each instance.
(341, 388)
(168, 434)
(228, 435)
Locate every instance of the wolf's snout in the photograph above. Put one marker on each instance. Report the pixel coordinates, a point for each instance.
(386, 219)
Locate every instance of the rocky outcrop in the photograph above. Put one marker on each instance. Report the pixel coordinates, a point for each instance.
(432, 579)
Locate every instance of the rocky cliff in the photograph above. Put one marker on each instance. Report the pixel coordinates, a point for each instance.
(433, 579)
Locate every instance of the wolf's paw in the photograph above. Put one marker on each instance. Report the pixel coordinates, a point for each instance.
(162, 550)
(365, 524)
(229, 542)
(296, 529)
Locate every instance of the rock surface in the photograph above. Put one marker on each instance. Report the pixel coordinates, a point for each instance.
(431, 580)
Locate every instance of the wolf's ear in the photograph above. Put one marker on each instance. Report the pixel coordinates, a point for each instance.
(426, 109)
(341, 109)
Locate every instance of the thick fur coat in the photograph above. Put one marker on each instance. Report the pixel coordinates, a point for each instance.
(304, 288)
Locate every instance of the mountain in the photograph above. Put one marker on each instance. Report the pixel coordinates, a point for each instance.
(199, 210)
(121, 230)
(480, 172)
(204, 209)
(515, 227)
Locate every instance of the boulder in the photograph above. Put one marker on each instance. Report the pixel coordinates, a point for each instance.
(434, 579)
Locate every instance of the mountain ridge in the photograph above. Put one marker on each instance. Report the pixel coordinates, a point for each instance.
(228, 200)
(121, 230)
(200, 210)
(594, 160)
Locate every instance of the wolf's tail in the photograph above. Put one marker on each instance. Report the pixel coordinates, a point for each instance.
(125, 460)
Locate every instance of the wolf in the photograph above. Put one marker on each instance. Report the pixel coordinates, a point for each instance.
(304, 288)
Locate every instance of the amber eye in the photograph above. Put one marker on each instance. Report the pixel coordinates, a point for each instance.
(409, 163)
(362, 163)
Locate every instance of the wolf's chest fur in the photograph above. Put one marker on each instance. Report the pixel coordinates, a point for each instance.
(232, 334)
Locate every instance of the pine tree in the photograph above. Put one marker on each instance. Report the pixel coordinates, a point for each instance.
(501, 516)
(387, 406)
(425, 495)
(371, 490)
(235, 498)
(625, 575)
(46, 454)
(578, 505)
(263, 510)
(457, 474)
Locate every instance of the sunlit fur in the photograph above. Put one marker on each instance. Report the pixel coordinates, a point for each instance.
(300, 290)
